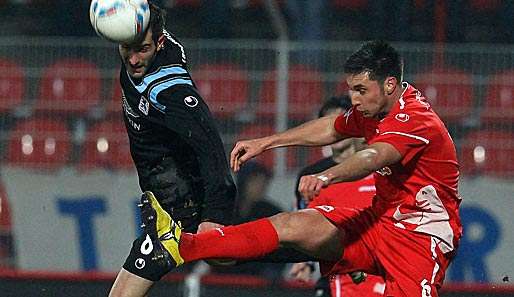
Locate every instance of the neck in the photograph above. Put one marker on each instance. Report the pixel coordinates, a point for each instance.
(391, 100)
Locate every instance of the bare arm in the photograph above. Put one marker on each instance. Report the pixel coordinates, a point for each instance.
(359, 165)
(313, 133)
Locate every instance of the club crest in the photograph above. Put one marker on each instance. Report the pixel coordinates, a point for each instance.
(402, 117)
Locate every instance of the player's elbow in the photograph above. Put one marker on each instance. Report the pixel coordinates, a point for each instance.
(370, 160)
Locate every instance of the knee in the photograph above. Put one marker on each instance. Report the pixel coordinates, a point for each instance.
(307, 226)
(287, 225)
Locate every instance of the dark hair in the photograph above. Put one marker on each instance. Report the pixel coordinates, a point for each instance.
(157, 21)
(377, 57)
(344, 102)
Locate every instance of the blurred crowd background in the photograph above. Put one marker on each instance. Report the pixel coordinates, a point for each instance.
(470, 21)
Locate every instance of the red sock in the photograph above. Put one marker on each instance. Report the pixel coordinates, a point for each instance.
(246, 241)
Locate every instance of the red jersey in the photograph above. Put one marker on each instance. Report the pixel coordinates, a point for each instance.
(419, 193)
(355, 194)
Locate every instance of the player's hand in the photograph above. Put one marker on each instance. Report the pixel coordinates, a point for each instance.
(301, 271)
(207, 226)
(310, 185)
(244, 150)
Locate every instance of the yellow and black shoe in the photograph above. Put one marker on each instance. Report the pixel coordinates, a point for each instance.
(163, 231)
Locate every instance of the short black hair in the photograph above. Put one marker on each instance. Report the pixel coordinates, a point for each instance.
(157, 21)
(344, 102)
(377, 57)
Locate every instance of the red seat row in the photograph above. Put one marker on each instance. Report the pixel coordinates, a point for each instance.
(226, 87)
(44, 143)
(68, 85)
(451, 93)
(488, 152)
(73, 86)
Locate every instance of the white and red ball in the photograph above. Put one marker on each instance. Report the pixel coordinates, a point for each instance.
(119, 21)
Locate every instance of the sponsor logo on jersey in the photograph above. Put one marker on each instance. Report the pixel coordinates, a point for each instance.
(133, 124)
(144, 105)
(191, 101)
(402, 117)
(140, 263)
(385, 171)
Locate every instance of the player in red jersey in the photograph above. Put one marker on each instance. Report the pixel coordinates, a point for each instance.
(409, 234)
(357, 194)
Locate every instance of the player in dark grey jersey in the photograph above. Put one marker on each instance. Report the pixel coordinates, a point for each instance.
(175, 145)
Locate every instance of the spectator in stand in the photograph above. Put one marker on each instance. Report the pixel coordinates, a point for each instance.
(252, 203)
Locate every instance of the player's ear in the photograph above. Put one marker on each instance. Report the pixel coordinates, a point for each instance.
(160, 42)
(390, 85)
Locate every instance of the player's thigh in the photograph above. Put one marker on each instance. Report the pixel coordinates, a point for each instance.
(414, 264)
(310, 232)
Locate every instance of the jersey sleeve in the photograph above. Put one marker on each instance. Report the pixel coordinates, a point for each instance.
(407, 133)
(350, 124)
(188, 116)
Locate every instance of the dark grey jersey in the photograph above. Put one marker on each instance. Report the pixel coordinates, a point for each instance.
(174, 139)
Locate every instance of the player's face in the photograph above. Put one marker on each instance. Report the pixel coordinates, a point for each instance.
(367, 95)
(138, 57)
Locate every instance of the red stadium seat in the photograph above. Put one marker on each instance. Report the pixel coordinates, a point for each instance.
(5, 214)
(449, 91)
(267, 158)
(12, 85)
(39, 143)
(342, 86)
(224, 87)
(113, 104)
(69, 86)
(106, 146)
(305, 93)
(488, 152)
(499, 99)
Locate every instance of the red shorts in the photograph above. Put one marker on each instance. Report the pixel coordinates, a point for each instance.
(341, 285)
(411, 263)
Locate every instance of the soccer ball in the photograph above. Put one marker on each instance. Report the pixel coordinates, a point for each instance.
(119, 21)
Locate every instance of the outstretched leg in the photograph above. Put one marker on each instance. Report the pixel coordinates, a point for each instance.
(307, 231)
(128, 284)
